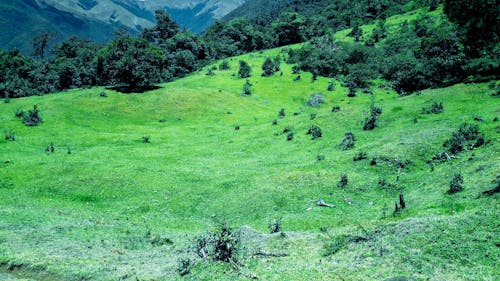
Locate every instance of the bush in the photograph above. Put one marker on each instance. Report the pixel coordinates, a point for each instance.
(435, 108)
(371, 120)
(247, 88)
(316, 100)
(315, 132)
(223, 244)
(32, 118)
(146, 139)
(19, 113)
(210, 72)
(466, 137)
(348, 141)
(343, 181)
(184, 267)
(275, 226)
(456, 184)
(10, 136)
(289, 136)
(269, 68)
(282, 113)
(336, 108)
(331, 86)
(245, 70)
(224, 65)
(297, 78)
(103, 95)
(360, 156)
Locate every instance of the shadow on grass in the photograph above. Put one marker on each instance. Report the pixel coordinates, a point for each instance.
(133, 90)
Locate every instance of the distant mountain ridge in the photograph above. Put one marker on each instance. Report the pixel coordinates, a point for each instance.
(98, 19)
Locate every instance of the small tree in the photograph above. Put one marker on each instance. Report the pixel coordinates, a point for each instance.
(247, 88)
(343, 181)
(268, 67)
(372, 118)
(456, 184)
(245, 70)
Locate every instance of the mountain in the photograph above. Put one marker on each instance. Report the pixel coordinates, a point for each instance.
(98, 19)
(267, 11)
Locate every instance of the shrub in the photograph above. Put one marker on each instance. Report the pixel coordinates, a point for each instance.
(224, 243)
(297, 78)
(32, 118)
(184, 267)
(456, 184)
(282, 113)
(269, 68)
(245, 70)
(348, 141)
(247, 88)
(10, 136)
(312, 116)
(295, 69)
(331, 86)
(275, 122)
(315, 132)
(371, 120)
(343, 181)
(435, 108)
(275, 226)
(146, 139)
(336, 108)
(19, 113)
(360, 156)
(316, 100)
(6, 98)
(289, 136)
(224, 65)
(210, 72)
(103, 95)
(466, 137)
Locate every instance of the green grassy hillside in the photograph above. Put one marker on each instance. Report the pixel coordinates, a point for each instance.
(96, 213)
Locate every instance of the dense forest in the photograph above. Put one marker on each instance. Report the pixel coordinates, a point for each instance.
(418, 54)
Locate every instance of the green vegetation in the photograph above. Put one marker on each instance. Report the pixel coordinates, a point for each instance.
(115, 199)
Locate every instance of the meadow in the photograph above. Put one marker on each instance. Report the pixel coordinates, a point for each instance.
(108, 205)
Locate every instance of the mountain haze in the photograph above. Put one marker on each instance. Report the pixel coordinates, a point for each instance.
(98, 19)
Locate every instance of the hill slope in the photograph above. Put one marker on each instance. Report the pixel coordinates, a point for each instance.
(119, 208)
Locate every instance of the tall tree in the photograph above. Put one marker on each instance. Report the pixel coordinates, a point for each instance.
(40, 44)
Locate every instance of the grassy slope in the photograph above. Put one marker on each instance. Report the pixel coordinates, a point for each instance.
(87, 214)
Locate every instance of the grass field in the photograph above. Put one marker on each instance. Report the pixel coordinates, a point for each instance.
(94, 214)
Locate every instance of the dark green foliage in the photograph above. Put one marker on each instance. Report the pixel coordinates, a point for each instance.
(356, 32)
(289, 136)
(275, 226)
(481, 21)
(268, 67)
(224, 65)
(297, 78)
(494, 190)
(10, 136)
(32, 117)
(130, 62)
(343, 181)
(275, 122)
(103, 95)
(371, 120)
(247, 88)
(402, 201)
(331, 86)
(50, 148)
(245, 70)
(19, 113)
(210, 72)
(289, 29)
(315, 100)
(282, 113)
(456, 184)
(360, 156)
(295, 69)
(379, 32)
(315, 132)
(6, 98)
(336, 108)
(348, 141)
(435, 108)
(466, 137)
(146, 139)
(184, 267)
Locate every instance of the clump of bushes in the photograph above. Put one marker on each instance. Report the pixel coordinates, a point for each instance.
(32, 117)
(466, 137)
(315, 132)
(435, 108)
(316, 100)
(456, 184)
(348, 141)
(270, 67)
